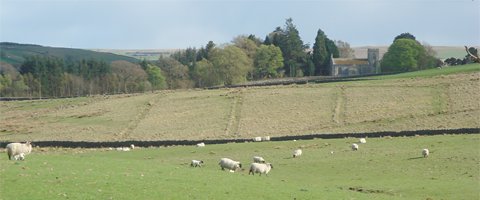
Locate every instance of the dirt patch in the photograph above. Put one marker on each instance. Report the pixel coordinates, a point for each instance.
(368, 191)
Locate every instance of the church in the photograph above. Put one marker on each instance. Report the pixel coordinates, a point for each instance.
(342, 67)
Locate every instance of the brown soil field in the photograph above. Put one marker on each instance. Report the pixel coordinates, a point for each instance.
(439, 102)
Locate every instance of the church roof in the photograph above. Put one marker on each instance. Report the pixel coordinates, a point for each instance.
(349, 61)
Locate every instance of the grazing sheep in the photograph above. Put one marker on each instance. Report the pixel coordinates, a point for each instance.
(196, 163)
(201, 144)
(363, 140)
(123, 148)
(425, 153)
(226, 163)
(266, 138)
(258, 159)
(257, 139)
(18, 150)
(297, 152)
(354, 147)
(261, 168)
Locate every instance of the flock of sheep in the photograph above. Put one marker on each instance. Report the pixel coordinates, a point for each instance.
(18, 151)
(260, 166)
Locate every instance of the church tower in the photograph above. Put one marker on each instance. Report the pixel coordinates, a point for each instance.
(374, 58)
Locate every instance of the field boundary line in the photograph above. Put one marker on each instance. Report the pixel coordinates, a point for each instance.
(87, 144)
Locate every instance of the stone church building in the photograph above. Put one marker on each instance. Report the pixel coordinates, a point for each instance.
(341, 67)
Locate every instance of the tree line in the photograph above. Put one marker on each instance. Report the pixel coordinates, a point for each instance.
(282, 53)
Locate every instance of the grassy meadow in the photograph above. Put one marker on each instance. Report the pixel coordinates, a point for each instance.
(430, 99)
(383, 168)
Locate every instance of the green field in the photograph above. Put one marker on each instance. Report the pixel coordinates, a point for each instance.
(433, 99)
(383, 168)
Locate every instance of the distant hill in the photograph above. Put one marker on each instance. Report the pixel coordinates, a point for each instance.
(147, 54)
(15, 54)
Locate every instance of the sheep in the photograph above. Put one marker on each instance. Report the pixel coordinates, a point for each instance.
(196, 163)
(226, 163)
(266, 138)
(257, 139)
(18, 150)
(354, 147)
(297, 152)
(261, 168)
(363, 140)
(123, 148)
(20, 156)
(132, 146)
(258, 159)
(425, 153)
(201, 144)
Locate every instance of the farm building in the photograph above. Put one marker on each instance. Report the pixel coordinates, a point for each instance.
(341, 67)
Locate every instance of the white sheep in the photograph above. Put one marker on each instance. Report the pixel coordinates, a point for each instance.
(227, 163)
(257, 139)
(258, 159)
(123, 148)
(196, 163)
(363, 140)
(266, 138)
(354, 147)
(20, 156)
(261, 168)
(297, 152)
(425, 153)
(132, 146)
(18, 150)
(201, 144)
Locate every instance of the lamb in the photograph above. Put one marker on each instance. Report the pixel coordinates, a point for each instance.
(20, 156)
(261, 168)
(258, 159)
(297, 152)
(257, 139)
(227, 163)
(354, 147)
(201, 144)
(363, 140)
(425, 153)
(18, 150)
(196, 163)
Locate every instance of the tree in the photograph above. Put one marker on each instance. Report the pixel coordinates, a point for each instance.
(131, 76)
(472, 54)
(232, 64)
(344, 49)
(155, 77)
(247, 45)
(205, 52)
(404, 36)
(207, 75)
(267, 60)
(293, 49)
(176, 74)
(320, 54)
(407, 54)
(323, 50)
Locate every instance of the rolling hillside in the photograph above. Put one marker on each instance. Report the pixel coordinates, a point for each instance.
(14, 53)
(432, 99)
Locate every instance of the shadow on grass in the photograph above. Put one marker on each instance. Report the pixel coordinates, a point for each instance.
(414, 158)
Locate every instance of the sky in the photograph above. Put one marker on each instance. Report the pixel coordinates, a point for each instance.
(178, 24)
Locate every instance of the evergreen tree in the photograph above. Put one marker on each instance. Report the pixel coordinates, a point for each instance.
(320, 54)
